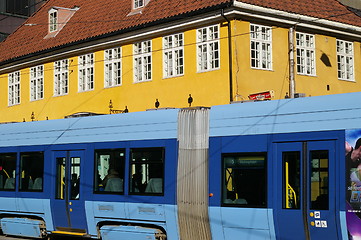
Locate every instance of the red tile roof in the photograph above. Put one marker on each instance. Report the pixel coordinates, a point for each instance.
(96, 18)
(325, 9)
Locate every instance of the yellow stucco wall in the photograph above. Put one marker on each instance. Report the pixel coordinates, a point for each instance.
(207, 88)
(248, 80)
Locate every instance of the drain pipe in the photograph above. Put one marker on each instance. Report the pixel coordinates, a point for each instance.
(230, 58)
(291, 45)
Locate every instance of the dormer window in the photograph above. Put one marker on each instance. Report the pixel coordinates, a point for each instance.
(138, 4)
(53, 20)
(58, 18)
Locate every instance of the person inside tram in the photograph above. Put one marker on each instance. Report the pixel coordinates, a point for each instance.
(75, 181)
(112, 173)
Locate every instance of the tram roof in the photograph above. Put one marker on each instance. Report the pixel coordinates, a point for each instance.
(319, 113)
(158, 124)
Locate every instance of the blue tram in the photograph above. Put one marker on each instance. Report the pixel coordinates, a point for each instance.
(282, 169)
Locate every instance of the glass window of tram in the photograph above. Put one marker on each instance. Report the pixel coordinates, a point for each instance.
(147, 171)
(7, 171)
(109, 167)
(31, 171)
(244, 180)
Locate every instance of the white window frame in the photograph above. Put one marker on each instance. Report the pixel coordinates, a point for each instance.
(173, 55)
(305, 52)
(53, 20)
(345, 60)
(208, 48)
(37, 83)
(14, 88)
(86, 72)
(138, 4)
(261, 47)
(142, 61)
(112, 67)
(61, 77)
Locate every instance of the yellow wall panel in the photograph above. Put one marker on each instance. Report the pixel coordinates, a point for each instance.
(206, 88)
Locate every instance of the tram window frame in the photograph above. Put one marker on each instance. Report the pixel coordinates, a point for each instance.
(4, 173)
(252, 197)
(291, 186)
(100, 178)
(34, 180)
(319, 180)
(150, 183)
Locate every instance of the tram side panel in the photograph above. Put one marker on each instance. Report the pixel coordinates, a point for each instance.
(25, 205)
(240, 203)
(145, 199)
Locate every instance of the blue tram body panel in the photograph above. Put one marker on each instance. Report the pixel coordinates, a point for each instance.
(309, 128)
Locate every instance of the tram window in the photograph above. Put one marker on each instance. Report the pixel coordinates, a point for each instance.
(60, 178)
(291, 180)
(245, 180)
(7, 171)
(319, 180)
(31, 171)
(75, 178)
(109, 176)
(147, 171)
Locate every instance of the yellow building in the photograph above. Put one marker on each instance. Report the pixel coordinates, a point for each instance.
(89, 57)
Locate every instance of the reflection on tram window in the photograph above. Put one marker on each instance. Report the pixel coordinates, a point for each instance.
(109, 175)
(7, 171)
(291, 180)
(147, 171)
(319, 180)
(244, 180)
(31, 171)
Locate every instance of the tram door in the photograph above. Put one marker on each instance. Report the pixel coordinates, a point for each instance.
(68, 203)
(305, 195)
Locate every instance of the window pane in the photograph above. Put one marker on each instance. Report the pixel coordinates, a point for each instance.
(147, 171)
(319, 180)
(291, 180)
(110, 170)
(244, 180)
(75, 177)
(60, 178)
(31, 170)
(7, 171)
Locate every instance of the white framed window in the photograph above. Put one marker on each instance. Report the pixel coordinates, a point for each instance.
(86, 72)
(37, 83)
(53, 20)
(112, 67)
(14, 88)
(208, 48)
(61, 77)
(261, 47)
(142, 61)
(138, 3)
(305, 51)
(173, 55)
(345, 64)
